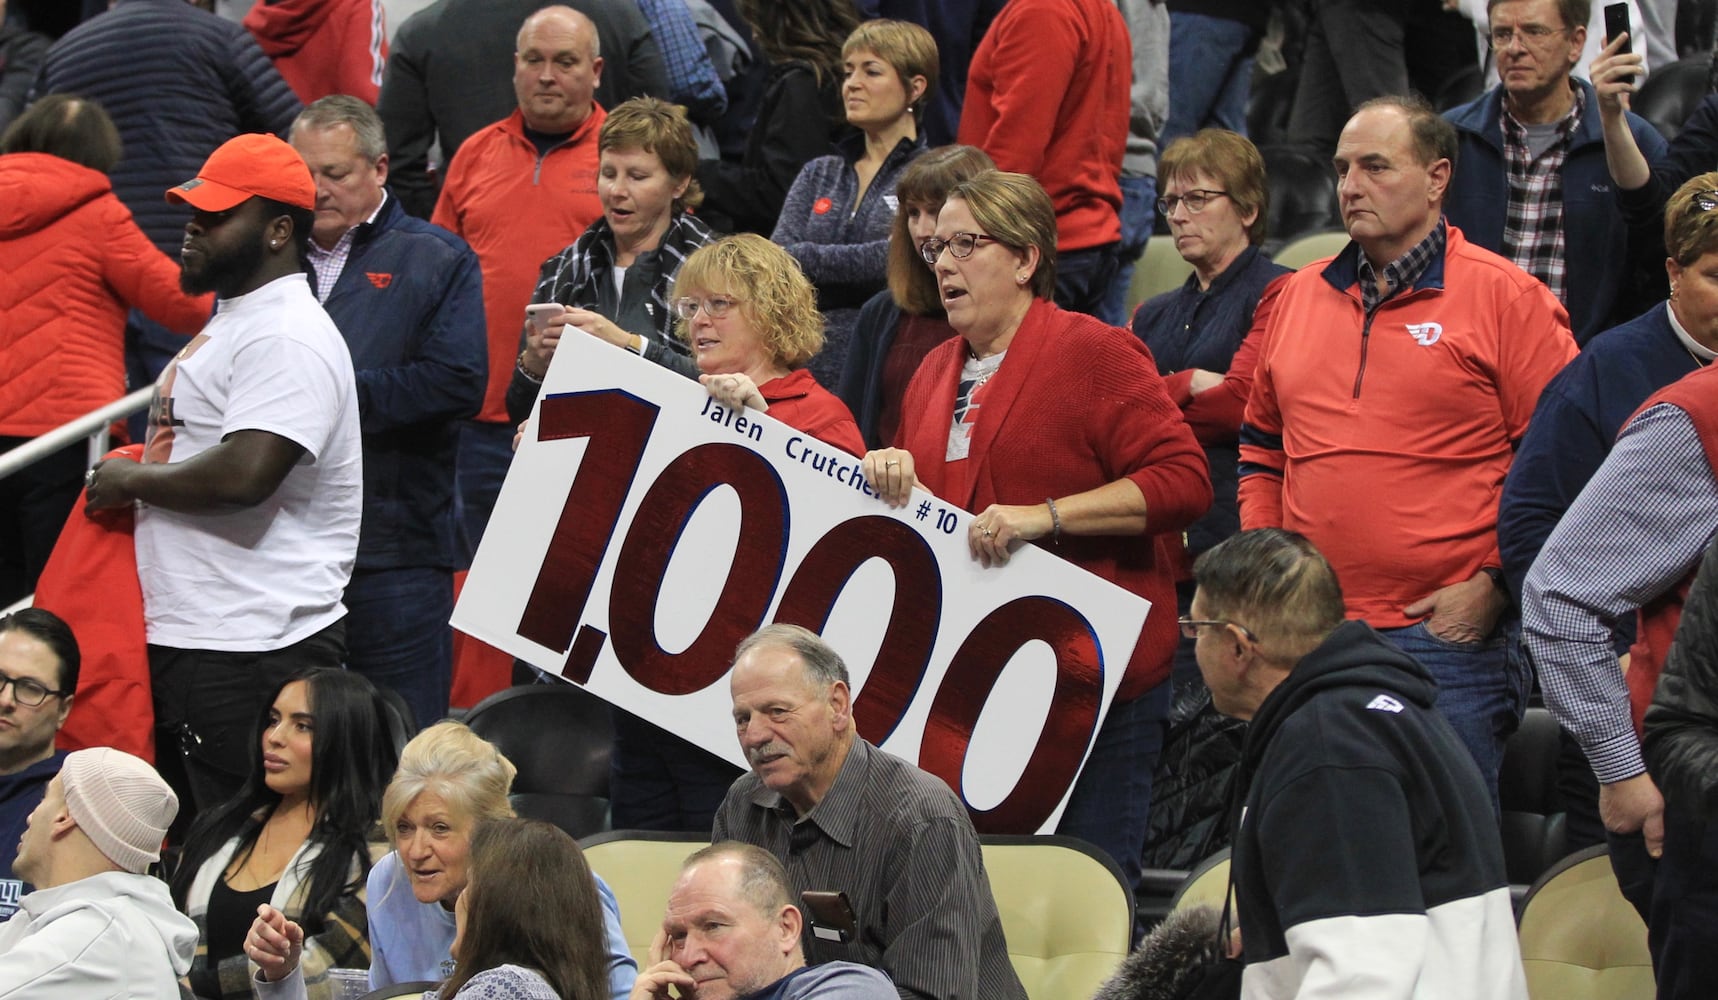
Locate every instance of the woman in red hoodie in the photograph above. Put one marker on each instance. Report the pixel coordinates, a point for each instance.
(72, 261)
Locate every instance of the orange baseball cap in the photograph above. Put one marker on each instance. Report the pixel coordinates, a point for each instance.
(248, 165)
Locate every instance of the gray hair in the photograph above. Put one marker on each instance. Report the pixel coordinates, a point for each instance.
(823, 665)
(343, 109)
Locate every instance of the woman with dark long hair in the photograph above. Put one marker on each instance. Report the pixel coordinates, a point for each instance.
(799, 115)
(530, 925)
(300, 836)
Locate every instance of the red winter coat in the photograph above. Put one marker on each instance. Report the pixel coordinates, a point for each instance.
(324, 47)
(71, 262)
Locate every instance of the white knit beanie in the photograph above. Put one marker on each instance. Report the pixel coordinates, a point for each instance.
(120, 803)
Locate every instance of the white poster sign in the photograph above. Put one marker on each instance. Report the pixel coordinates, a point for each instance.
(644, 529)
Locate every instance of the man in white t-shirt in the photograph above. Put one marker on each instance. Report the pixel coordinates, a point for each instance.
(249, 493)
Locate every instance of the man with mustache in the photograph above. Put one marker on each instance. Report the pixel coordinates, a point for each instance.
(249, 494)
(843, 816)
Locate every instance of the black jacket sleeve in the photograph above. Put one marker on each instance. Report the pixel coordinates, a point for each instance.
(1682, 722)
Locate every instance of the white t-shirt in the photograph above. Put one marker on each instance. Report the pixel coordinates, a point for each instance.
(268, 576)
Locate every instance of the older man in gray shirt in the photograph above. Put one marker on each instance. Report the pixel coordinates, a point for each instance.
(846, 817)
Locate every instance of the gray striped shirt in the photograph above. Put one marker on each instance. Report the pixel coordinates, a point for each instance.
(900, 844)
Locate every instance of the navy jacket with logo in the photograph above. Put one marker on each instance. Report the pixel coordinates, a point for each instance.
(410, 304)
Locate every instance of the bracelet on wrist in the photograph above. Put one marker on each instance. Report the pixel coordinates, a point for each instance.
(1055, 521)
(520, 365)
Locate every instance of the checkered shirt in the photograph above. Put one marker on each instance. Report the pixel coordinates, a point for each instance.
(1533, 227)
(1403, 271)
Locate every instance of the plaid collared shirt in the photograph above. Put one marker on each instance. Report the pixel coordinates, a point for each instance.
(1533, 226)
(329, 264)
(1403, 271)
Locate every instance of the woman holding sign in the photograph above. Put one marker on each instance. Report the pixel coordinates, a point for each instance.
(1056, 429)
(751, 318)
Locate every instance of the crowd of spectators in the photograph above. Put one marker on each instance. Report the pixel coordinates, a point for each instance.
(1394, 495)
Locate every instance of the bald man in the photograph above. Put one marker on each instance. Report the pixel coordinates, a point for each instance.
(522, 189)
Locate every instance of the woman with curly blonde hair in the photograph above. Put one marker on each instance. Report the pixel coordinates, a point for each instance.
(751, 318)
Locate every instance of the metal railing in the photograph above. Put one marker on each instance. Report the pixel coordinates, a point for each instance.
(93, 426)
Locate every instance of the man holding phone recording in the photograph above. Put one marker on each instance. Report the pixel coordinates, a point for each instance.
(855, 825)
(1531, 182)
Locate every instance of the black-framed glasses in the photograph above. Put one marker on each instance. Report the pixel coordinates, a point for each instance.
(26, 691)
(960, 244)
(1190, 627)
(1531, 35)
(715, 307)
(1706, 201)
(1195, 200)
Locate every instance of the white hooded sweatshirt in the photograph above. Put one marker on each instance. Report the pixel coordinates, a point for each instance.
(114, 935)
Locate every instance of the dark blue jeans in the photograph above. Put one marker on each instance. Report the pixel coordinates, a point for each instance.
(1111, 804)
(1482, 688)
(1209, 76)
(1138, 212)
(398, 636)
(1083, 277)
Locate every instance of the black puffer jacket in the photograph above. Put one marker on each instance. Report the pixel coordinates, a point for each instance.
(1193, 788)
(178, 82)
(1682, 722)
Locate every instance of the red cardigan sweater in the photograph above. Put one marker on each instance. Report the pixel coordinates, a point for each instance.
(1077, 404)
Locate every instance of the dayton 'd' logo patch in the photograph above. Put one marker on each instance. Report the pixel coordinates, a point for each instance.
(1425, 334)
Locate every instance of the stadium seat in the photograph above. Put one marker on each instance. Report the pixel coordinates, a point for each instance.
(559, 737)
(641, 866)
(1065, 909)
(1580, 939)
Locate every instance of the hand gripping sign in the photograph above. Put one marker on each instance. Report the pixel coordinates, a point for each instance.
(645, 529)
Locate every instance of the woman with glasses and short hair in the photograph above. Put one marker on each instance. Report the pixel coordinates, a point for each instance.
(751, 318)
(1055, 429)
(1215, 201)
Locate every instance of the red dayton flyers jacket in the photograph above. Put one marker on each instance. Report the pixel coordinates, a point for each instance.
(1386, 442)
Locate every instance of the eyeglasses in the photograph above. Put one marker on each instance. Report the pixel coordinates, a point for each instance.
(714, 307)
(1190, 627)
(1706, 201)
(26, 691)
(1194, 200)
(960, 244)
(1531, 35)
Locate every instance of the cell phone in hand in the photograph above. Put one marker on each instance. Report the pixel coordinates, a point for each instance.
(538, 314)
(1617, 23)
